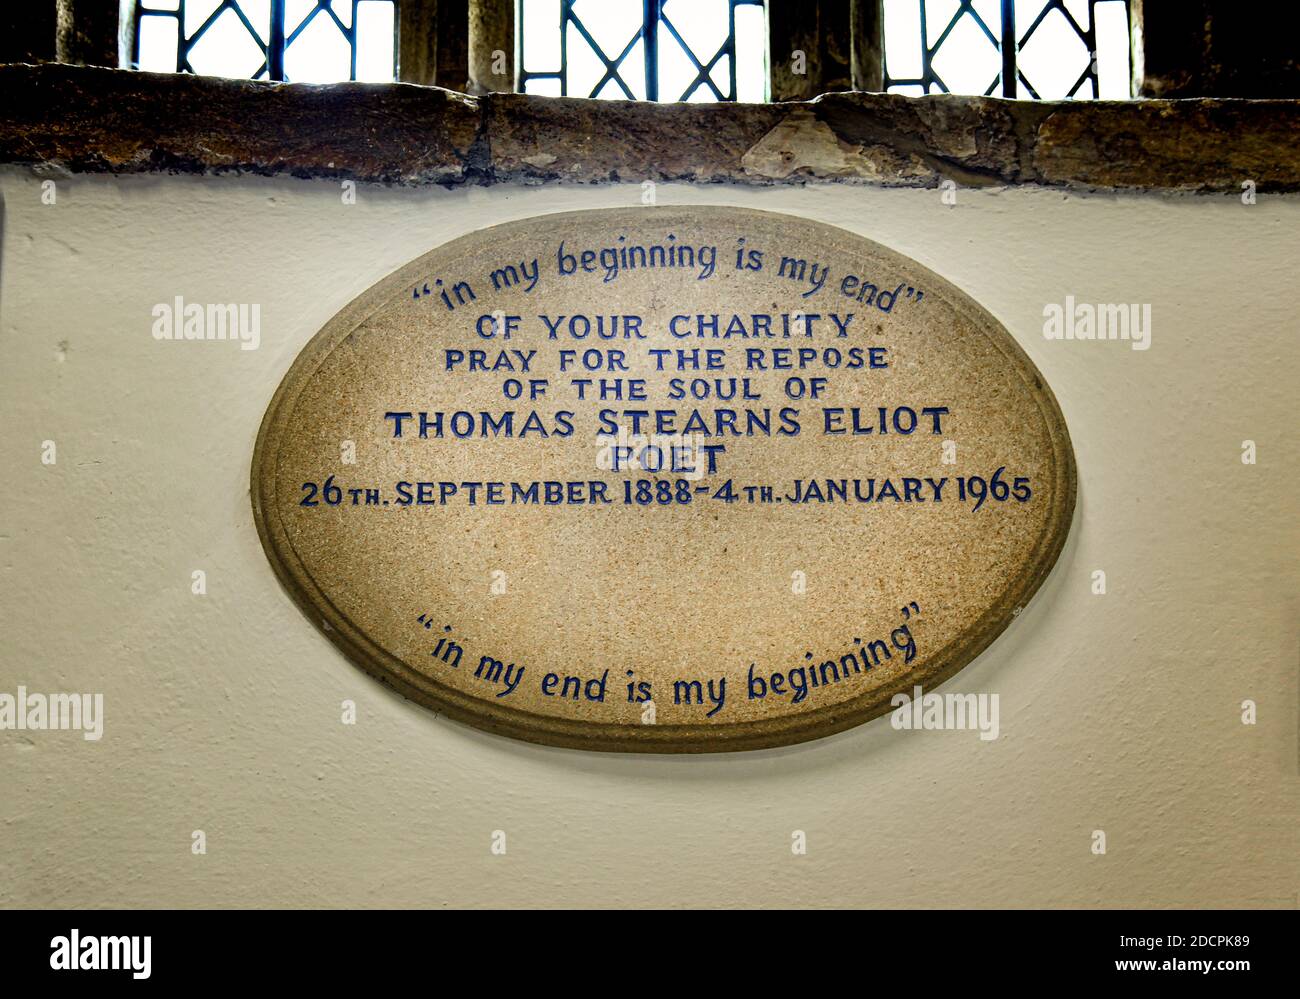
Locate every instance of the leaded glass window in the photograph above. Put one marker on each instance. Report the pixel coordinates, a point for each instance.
(669, 50)
(1008, 48)
(313, 41)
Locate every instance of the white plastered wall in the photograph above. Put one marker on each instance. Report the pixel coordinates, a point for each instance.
(1119, 713)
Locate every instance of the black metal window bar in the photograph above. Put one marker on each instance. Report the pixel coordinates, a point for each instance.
(1010, 78)
(653, 17)
(279, 35)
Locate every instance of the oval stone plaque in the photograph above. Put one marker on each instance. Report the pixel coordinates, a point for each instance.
(663, 479)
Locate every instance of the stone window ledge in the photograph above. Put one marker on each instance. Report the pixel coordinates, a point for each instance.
(92, 120)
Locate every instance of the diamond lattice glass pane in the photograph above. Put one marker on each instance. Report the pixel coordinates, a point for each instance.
(1078, 8)
(1053, 58)
(226, 49)
(937, 15)
(721, 77)
(991, 12)
(612, 23)
(633, 70)
(967, 61)
(196, 12)
(585, 69)
(702, 25)
(676, 71)
(297, 11)
(258, 13)
(320, 53)
(1027, 12)
(616, 26)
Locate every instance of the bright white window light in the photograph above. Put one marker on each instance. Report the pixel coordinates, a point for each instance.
(955, 46)
(324, 42)
(570, 49)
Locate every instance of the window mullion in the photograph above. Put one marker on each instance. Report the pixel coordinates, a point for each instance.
(1008, 48)
(650, 39)
(275, 48)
